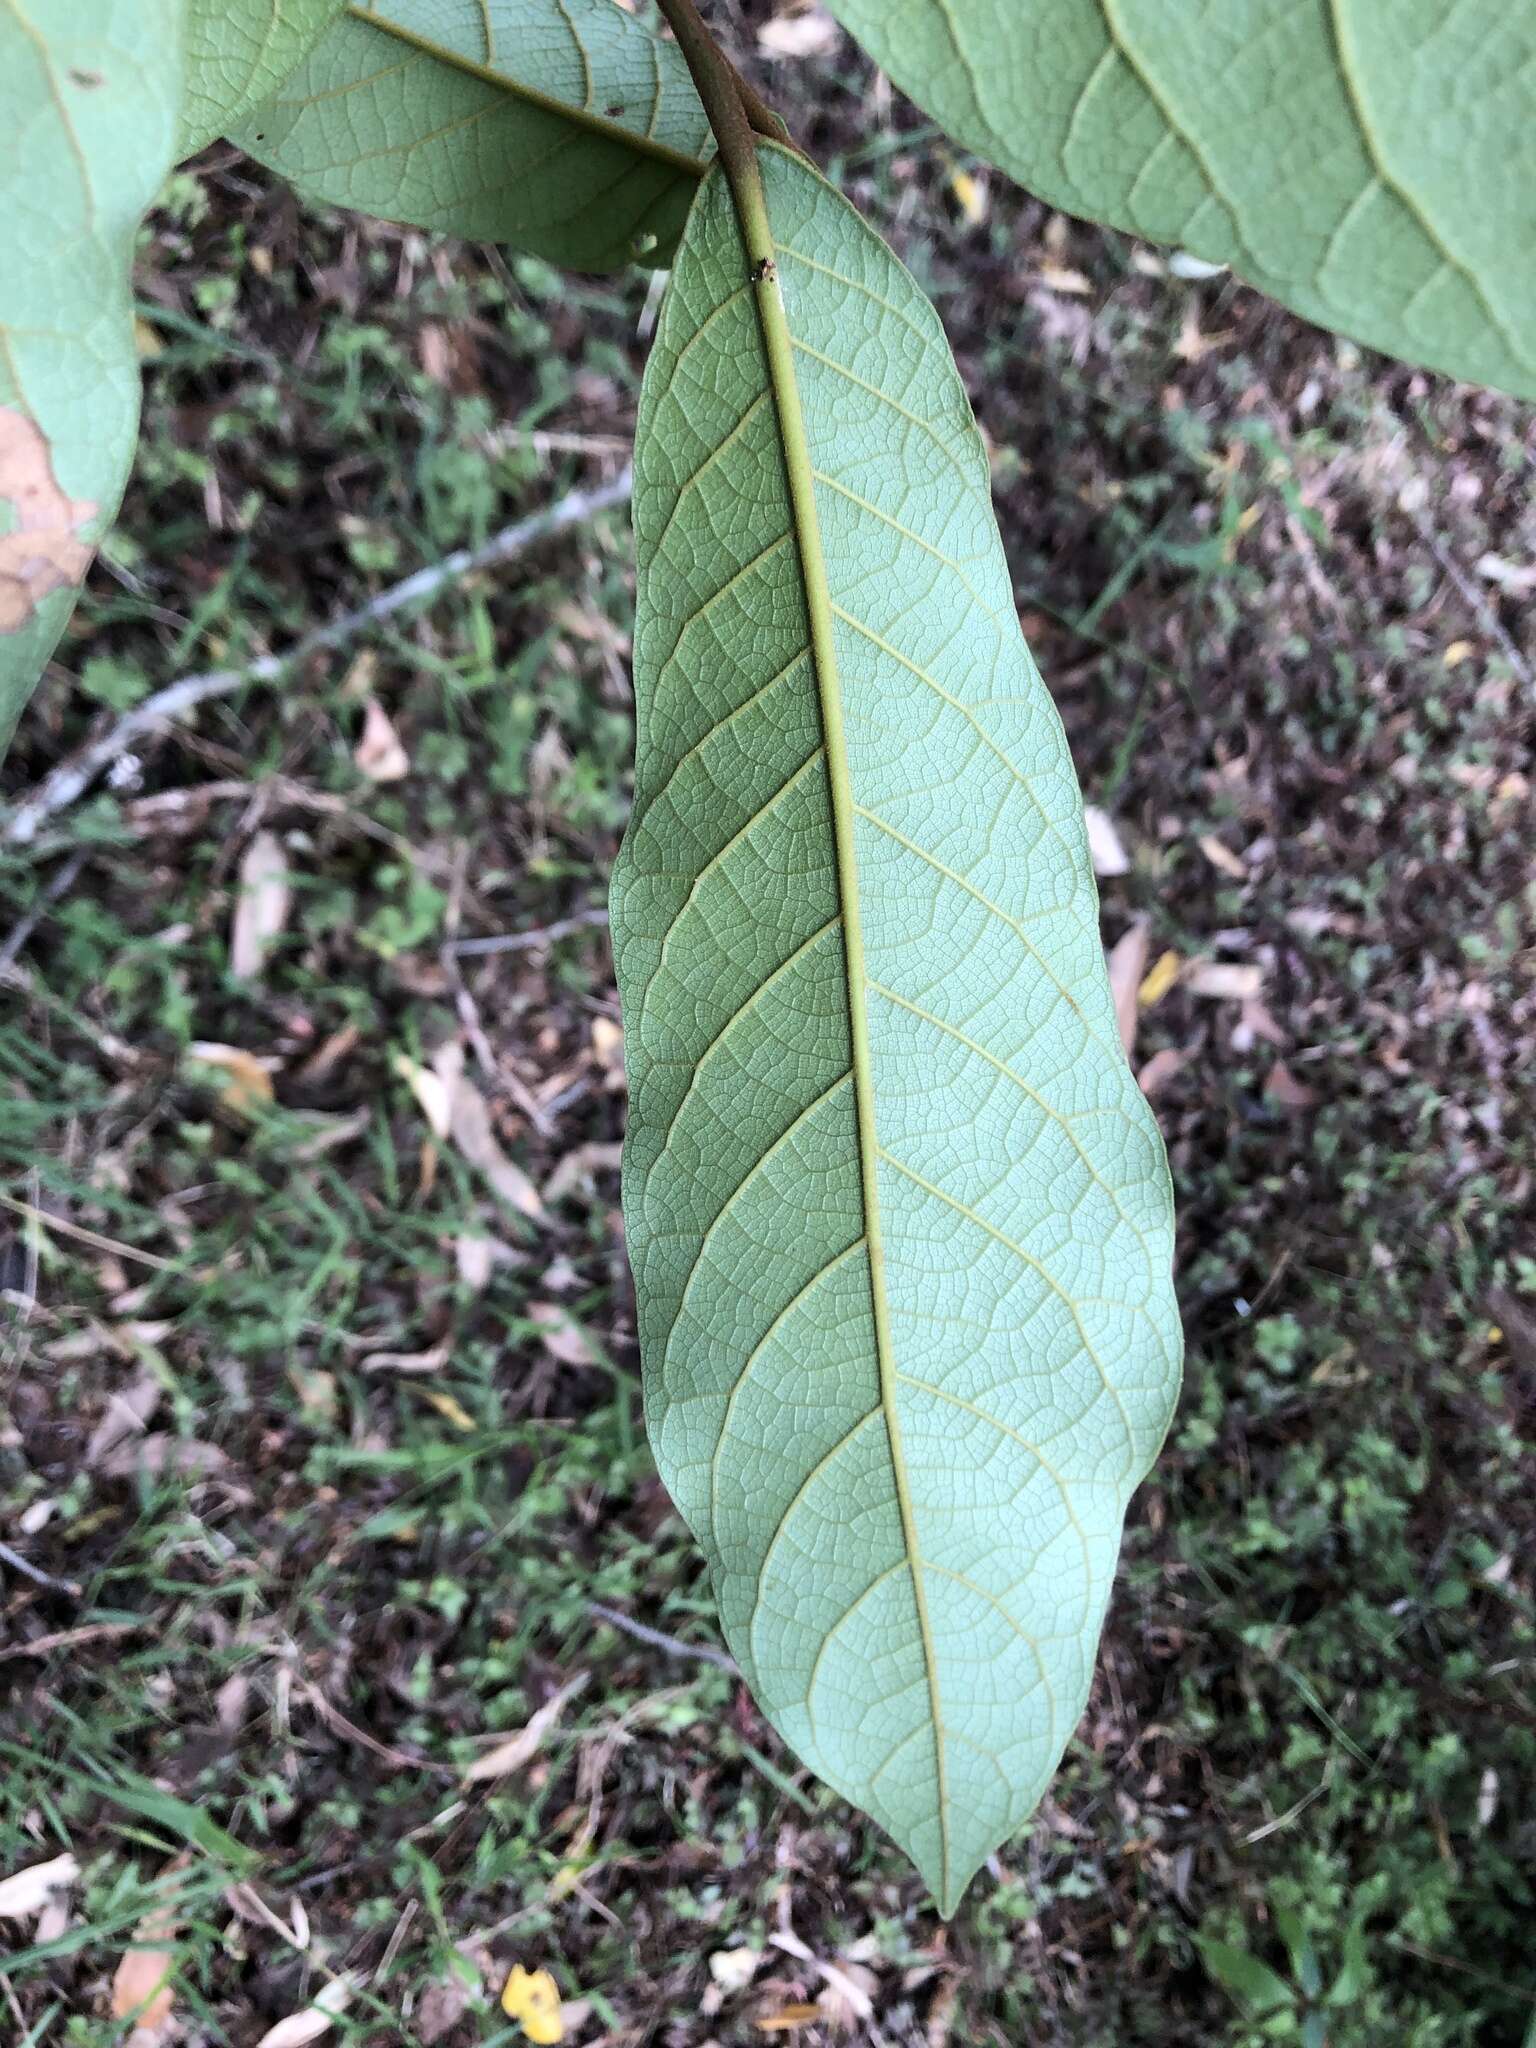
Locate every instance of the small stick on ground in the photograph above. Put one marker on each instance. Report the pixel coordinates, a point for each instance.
(520, 942)
(673, 1645)
(73, 777)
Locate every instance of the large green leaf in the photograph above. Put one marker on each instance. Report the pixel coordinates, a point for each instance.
(567, 127)
(238, 53)
(89, 96)
(1368, 162)
(899, 1218)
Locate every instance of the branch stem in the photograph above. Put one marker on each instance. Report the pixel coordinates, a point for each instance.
(726, 102)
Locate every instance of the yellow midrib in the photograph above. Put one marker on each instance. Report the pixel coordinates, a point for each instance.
(778, 347)
(519, 88)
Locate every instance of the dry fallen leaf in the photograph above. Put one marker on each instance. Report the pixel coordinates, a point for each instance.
(580, 1167)
(734, 1968)
(970, 196)
(562, 1339)
(161, 1452)
(243, 1082)
(1055, 277)
(408, 1361)
(1518, 578)
(1223, 857)
(847, 1996)
(1160, 1070)
(27, 1891)
(1158, 979)
(41, 550)
(142, 1990)
(441, 2006)
(379, 752)
(431, 1091)
(474, 1260)
(511, 1755)
(261, 905)
(452, 1411)
(1127, 958)
(1224, 980)
(1282, 1086)
(806, 32)
(315, 2020)
(532, 1998)
(608, 1051)
(1105, 848)
(787, 2016)
(469, 1128)
(127, 1414)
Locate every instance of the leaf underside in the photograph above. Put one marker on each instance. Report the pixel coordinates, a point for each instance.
(1369, 163)
(899, 1218)
(565, 127)
(238, 53)
(89, 100)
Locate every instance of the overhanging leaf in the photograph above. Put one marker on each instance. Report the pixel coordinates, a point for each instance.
(899, 1219)
(88, 112)
(566, 127)
(238, 53)
(1367, 162)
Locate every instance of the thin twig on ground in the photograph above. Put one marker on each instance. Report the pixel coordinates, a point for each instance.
(18, 1563)
(520, 942)
(673, 1645)
(1474, 595)
(73, 777)
(59, 885)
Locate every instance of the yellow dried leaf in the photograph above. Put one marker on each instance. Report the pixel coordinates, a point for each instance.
(431, 1091)
(787, 2016)
(1160, 977)
(532, 1998)
(243, 1083)
(446, 1406)
(970, 196)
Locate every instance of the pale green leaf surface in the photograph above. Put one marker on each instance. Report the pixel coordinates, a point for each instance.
(89, 96)
(239, 52)
(899, 1218)
(565, 127)
(1370, 163)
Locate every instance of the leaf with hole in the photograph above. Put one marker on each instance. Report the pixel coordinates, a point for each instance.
(566, 127)
(238, 53)
(89, 99)
(900, 1221)
(1369, 163)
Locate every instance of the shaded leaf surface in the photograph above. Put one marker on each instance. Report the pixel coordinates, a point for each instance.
(899, 1220)
(1367, 162)
(566, 127)
(88, 112)
(238, 53)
